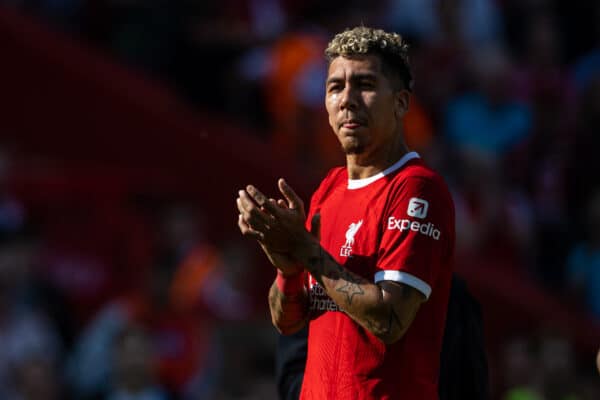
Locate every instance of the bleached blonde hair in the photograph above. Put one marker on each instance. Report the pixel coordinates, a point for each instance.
(390, 47)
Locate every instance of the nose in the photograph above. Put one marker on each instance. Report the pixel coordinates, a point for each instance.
(348, 98)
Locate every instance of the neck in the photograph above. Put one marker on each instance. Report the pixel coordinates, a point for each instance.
(364, 165)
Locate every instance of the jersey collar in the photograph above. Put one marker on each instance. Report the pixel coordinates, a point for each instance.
(360, 183)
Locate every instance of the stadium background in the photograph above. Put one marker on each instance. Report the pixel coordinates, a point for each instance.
(127, 126)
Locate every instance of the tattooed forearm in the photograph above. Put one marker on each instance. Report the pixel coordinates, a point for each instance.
(350, 288)
(384, 309)
(288, 312)
(386, 329)
(322, 266)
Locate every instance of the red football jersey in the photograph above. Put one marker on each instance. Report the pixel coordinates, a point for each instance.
(397, 225)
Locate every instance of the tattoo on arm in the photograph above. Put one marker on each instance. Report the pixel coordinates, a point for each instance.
(322, 264)
(360, 298)
(288, 312)
(350, 286)
(373, 326)
(275, 300)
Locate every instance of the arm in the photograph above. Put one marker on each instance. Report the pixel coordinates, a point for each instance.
(385, 309)
(288, 297)
(289, 312)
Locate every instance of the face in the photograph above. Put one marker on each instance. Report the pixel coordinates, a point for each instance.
(365, 110)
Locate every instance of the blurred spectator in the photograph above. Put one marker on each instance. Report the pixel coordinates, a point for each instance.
(489, 120)
(483, 127)
(476, 22)
(519, 365)
(184, 338)
(539, 165)
(38, 378)
(90, 257)
(542, 367)
(184, 343)
(134, 368)
(435, 85)
(494, 218)
(558, 368)
(295, 96)
(418, 127)
(26, 332)
(540, 69)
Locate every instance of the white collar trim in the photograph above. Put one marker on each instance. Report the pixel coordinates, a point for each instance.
(360, 183)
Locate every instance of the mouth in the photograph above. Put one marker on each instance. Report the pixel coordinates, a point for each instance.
(352, 124)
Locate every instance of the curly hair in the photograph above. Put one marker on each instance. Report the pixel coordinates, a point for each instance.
(389, 46)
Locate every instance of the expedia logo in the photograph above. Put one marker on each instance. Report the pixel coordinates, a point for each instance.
(427, 229)
(417, 208)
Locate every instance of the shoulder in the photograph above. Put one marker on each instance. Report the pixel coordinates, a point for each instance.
(336, 177)
(418, 176)
(335, 174)
(418, 191)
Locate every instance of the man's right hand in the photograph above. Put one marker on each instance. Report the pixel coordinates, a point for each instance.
(280, 260)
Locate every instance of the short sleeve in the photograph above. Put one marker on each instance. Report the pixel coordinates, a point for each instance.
(418, 234)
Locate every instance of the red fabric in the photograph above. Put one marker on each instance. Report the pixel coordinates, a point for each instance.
(344, 360)
(291, 285)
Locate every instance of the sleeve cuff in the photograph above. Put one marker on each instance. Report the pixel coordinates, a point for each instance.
(405, 278)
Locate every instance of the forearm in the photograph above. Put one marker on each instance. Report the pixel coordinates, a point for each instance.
(289, 312)
(364, 301)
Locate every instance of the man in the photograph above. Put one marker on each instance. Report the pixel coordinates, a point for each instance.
(371, 269)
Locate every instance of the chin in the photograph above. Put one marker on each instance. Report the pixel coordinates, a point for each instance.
(352, 146)
(354, 149)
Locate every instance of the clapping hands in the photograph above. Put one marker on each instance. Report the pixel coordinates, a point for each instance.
(278, 225)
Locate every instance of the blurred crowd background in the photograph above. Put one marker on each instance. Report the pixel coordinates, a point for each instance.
(127, 126)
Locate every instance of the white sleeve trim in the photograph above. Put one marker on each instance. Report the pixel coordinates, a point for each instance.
(406, 278)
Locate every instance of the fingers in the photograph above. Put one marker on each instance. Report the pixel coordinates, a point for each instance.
(279, 202)
(294, 201)
(260, 199)
(247, 231)
(251, 213)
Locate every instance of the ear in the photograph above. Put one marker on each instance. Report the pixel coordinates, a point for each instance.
(401, 100)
